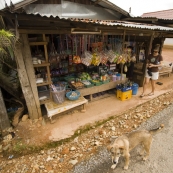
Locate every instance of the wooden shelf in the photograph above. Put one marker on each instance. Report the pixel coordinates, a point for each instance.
(37, 43)
(44, 83)
(41, 65)
(42, 102)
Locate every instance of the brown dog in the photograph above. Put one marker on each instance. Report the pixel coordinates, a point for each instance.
(124, 144)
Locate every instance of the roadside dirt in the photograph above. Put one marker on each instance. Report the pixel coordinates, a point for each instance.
(37, 133)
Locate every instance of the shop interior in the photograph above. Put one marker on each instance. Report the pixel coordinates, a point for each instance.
(84, 62)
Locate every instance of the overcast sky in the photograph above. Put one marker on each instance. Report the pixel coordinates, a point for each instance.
(138, 7)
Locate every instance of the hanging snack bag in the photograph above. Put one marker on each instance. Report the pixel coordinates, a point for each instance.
(111, 56)
(104, 57)
(86, 58)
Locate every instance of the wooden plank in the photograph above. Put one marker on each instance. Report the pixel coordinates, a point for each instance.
(37, 43)
(45, 83)
(31, 73)
(4, 120)
(41, 65)
(24, 80)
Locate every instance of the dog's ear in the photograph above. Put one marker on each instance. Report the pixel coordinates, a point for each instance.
(109, 148)
(121, 148)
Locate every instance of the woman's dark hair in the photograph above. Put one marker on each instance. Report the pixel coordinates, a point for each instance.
(130, 47)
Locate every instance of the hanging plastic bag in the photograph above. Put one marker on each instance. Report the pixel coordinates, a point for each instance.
(86, 58)
(53, 55)
(125, 68)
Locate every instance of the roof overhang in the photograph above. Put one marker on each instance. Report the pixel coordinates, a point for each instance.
(15, 4)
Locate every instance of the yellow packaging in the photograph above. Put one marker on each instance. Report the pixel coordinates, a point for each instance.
(124, 95)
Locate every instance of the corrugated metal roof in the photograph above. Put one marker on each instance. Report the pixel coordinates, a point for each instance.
(72, 10)
(164, 14)
(126, 24)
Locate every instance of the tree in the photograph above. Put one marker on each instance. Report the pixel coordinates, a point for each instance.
(7, 40)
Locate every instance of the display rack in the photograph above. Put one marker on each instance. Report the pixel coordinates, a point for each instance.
(44, 95)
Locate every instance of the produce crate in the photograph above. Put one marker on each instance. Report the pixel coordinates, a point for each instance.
(97, 83)
(124, 95)
(88, 86)
(106, 81)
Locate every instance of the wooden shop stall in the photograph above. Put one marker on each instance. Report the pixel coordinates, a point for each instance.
(56, 56)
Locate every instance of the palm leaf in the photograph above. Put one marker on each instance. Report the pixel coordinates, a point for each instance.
(6, 38)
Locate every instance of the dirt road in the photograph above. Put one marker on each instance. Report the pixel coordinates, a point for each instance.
(161, 156)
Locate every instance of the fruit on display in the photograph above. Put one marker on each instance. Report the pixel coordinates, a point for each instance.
(95, 59)
(84, 76)
(76, 59)
(95, 81)
(77, 84)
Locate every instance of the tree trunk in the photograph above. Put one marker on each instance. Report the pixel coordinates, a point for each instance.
(4, 120)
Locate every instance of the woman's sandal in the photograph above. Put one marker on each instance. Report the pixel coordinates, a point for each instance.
(142, 95)
(150, 94)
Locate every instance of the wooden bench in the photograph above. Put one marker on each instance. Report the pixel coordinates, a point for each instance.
(54, 108)
(165, 71)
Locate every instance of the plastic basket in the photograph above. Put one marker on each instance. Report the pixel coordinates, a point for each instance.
(59, 95)
(70, 96)
(124, 95)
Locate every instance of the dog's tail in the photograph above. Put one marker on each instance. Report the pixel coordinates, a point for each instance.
(157, 129)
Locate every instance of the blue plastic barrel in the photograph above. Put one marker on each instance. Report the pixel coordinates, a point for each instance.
(135, 87)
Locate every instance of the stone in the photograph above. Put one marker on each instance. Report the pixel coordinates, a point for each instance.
(42, 152)
(96, 143)
(73, 162)
(25, 117)
(72, 149)
(113, 128)
(6, 147)
(41, 167)
(65, 151)
(76, 139)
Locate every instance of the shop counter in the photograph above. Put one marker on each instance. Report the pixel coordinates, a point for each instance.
(54, 108)
(101, 88)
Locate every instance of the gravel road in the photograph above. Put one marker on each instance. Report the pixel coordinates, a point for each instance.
(161, 155)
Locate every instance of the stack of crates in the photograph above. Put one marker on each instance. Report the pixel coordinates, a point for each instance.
(124, 93)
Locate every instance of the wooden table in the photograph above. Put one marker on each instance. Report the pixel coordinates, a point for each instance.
(101, 88)
(54, 108)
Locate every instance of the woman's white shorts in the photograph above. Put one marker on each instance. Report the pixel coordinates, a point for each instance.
(155, 75)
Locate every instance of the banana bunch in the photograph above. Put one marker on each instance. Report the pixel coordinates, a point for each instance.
(121, 59)
(95, 59)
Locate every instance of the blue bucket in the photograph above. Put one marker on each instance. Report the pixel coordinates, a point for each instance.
(135, 87)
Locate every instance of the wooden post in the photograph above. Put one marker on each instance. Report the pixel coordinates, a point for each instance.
(146, 54)
(4, 120)
(21, 51)
(161, 46)
(124, 36)
(30, 71)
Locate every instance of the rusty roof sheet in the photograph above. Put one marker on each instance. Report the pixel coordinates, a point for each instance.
(124, 24)
(164, 14)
